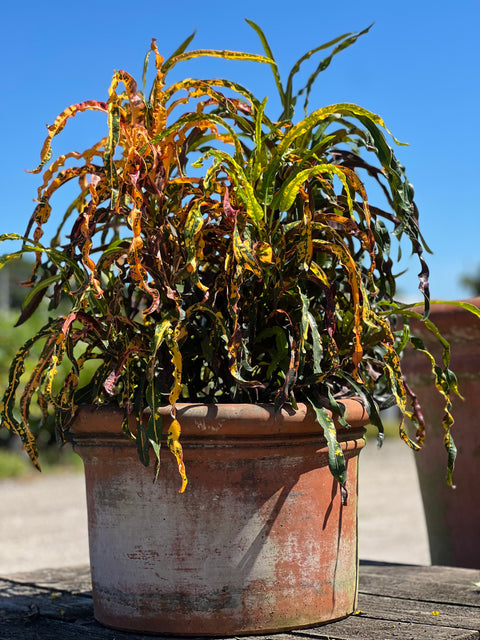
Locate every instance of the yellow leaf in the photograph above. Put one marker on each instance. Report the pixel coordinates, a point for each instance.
(263, 252)
(175, 447)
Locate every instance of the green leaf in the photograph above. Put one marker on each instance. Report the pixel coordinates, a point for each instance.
(12, 256)
(280, 353)
(443, 382)
(459, 303)
(336, 459)
(243, 250)
(193, 226)
(179, 51)
(270, 58)
(316, 343)
(259, 151)
(8, 402)
(43, 284)
(316, 117)
(289, 191)
(369, 402)
(109, 156)
(141, 439)
(155, 423)
(345, 41)
(213, 53)
(245, 190)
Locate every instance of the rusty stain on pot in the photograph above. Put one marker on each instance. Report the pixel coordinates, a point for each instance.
(144, 554)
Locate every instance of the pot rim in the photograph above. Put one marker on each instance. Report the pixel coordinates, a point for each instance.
(220, 420)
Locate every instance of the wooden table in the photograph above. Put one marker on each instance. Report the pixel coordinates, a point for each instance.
(395, 602)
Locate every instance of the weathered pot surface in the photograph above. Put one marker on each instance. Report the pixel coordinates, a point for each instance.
(259, 542)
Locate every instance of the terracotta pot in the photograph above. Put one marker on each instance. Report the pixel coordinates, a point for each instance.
(452, 515)
(260, 540)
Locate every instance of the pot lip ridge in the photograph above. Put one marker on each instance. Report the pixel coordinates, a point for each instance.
(223, 419)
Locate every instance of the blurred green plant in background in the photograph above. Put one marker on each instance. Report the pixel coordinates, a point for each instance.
(472, 281)
(13, 460)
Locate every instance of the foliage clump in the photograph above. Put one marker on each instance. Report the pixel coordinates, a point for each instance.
(214, 254)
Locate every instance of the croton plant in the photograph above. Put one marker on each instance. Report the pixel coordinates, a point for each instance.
(214, 254)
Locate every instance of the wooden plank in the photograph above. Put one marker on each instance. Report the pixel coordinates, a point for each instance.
(48, 629)
(449, 585)
(397, 602)
(419, 612)
(357, 628)
(360, 628)
(71, 579)
(26, 599)
(45, 629)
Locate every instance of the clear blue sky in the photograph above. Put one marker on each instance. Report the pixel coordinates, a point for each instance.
(418, 68)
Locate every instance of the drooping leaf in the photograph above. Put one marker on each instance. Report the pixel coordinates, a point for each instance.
(59, 125)
(173, 441)
(336, 459)
(8, 402)
(109, 157)
(155, 422)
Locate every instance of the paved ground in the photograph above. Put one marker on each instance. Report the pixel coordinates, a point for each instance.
(391, 521)
(43, 517)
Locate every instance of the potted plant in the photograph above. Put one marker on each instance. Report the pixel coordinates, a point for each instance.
(220, 283)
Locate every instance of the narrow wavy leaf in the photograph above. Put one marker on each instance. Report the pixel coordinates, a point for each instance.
(213, 53)
(336, 460)
(59, 125)
(173, 442)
